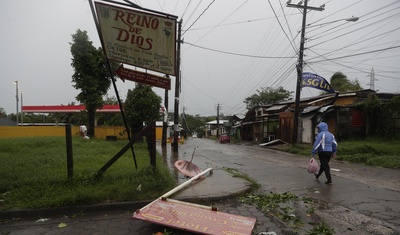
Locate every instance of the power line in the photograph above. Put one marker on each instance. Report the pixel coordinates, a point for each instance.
(220, 22)
(238, 22)
(358, 54)
(238, 54)
(291, 43)
(198, 17)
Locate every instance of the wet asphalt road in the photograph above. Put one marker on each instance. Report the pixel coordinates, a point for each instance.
(361, 197)
(362, 200)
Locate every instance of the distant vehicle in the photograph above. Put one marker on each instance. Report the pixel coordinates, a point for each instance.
(194, 135)
(224, 138)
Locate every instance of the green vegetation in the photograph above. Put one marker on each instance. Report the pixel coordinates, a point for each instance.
(268, 95)
(90, 76)
(254, 185)
(382, 116)
(321, 228)
(371, 151)
(142, 105)
(341, 83)
(33, 173)
(287, 208)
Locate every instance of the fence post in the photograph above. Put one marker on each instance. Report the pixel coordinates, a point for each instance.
(152, 143)
(70, 162)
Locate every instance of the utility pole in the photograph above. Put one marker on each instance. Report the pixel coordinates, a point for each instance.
(22, 111)
(184, 124)
(177, 88)
(217, 120)
(165, 122)
(16, 97)
(299, 66)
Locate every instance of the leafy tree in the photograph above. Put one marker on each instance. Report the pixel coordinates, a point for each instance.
(110, 119)
(72, 118)
(268, 96)
(91, 75)
(382, 115)
(111, 100)
(195, 123)
(340, 83)
(142, 105)
(2, 113)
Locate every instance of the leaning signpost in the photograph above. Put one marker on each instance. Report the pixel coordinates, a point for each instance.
(141, 38)
(148, 39)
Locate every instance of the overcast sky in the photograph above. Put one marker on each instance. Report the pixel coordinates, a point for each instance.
(231, 48)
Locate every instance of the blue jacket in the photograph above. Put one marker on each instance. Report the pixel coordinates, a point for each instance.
(325, 141)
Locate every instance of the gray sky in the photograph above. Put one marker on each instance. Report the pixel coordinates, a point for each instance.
(231, 50)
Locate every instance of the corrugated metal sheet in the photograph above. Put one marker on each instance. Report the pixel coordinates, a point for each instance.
(276, 107)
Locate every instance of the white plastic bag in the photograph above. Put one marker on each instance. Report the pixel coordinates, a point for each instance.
(312, 166)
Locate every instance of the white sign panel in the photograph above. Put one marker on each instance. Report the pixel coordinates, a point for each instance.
(138, 38)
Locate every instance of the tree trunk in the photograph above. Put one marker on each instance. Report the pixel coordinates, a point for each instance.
(91, 122)
(135, 130)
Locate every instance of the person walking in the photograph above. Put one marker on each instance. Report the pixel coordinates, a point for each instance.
(326, 146)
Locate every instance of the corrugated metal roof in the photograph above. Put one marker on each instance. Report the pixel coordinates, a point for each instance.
(215, 122)
(310, 109)
(276, 107)
(325, 108)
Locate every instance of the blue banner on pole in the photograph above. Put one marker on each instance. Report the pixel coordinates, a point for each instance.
(315, 81)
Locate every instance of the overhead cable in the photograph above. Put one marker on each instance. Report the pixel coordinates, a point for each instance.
(198, 17)
(358, 54)
(238, 54)
(276, 16)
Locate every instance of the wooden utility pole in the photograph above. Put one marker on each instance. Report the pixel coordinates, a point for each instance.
(299, 66)
(218, 120)
(165, 121)
(177, 89)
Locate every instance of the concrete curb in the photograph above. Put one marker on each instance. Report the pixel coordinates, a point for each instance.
(240, 187)
(128, 206)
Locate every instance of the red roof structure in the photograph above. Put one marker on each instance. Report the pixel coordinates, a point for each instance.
(108, 108)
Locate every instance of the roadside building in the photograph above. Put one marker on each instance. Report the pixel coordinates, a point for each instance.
(342, 112)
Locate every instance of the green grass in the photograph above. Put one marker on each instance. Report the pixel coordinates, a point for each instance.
(374, 152)
(33, 173)
(254, 185)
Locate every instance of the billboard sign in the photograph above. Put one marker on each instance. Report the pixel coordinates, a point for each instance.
(138, 38)
(315, 81)
(195, 218)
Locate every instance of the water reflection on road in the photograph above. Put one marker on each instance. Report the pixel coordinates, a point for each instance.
(169, 157)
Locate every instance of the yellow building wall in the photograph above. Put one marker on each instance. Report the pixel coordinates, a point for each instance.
(159, 133)
(30, 131)
(100, 131)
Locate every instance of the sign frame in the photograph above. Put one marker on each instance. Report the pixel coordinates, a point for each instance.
(144, 78)
(195, 218)
(138, 38)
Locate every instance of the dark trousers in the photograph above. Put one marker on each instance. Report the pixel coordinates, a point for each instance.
(324, 158)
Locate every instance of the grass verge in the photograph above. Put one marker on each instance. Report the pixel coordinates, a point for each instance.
(33, 173)
(370, 151)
